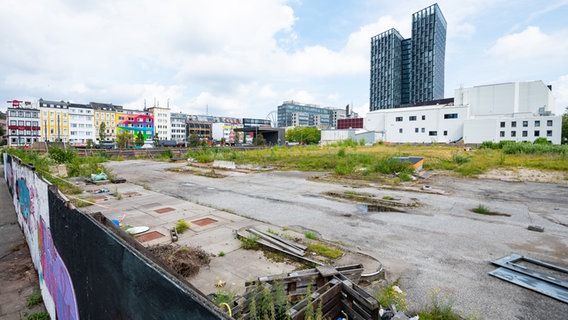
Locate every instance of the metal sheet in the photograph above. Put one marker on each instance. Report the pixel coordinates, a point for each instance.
(510, 262)
(526, 281)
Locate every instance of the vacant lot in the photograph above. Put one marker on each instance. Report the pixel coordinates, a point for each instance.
(439, 244)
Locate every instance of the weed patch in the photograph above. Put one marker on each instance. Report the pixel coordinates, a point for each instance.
(481, 209)
(250, 242)
(325, 251)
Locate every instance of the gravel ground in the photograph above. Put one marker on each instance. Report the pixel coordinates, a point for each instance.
(439, 245)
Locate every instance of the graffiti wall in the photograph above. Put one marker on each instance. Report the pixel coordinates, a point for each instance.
(89, 271)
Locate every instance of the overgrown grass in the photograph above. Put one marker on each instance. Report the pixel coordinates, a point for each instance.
(250, 242)
(325, 251)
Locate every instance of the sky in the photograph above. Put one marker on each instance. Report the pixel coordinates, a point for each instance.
(244, 58)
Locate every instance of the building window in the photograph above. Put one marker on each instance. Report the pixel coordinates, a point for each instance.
(445, 132)
(514, 124)
(536, 133)
(525, 133)
(451, 116)
(412, 118)
(400, 130)
(432, 133)
(423, 130)
(525, 124)
(501, 133)
(513, 133)
(549, 133)
(537, 123)
(549, 123)
(423, 117)
(416, 130)
(502, 124)
(398, 119)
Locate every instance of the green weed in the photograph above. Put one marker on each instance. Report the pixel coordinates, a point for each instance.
(392, 295)
(310, 235)
(250, 242)
(34, 299)
(182, 225)
(325, 251)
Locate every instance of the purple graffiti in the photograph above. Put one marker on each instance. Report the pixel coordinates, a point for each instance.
(56, 276)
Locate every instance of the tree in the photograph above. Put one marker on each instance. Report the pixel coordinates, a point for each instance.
(259, 140)
(156, 140)
(308, 135)
(193, 140)
(124, 139)
(564, 139)
(102, 132)
(139, 139)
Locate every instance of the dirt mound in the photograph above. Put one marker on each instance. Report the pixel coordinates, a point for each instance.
(184, 260)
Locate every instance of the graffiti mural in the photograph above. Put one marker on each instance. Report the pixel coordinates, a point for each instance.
(85, 271)
(56, 276)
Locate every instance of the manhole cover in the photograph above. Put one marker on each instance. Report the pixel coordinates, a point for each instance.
(164, 210)
(204, 221)
(150, 236)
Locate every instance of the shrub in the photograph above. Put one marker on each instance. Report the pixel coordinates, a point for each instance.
(182, 225)
(61, 155)
(344, 168)
(388, 165)
(460, 159)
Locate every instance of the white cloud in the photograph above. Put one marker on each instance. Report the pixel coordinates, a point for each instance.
(531, 45)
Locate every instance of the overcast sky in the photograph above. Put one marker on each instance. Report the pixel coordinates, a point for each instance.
(243, 58)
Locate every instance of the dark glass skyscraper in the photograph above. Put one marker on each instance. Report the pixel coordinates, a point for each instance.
(406, 71)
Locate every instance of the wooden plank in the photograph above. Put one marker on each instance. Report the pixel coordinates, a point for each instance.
(368, 302)
(361, 310)
(351, 314)
(327, 270)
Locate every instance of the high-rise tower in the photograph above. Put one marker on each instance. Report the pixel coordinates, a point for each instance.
(407, 71)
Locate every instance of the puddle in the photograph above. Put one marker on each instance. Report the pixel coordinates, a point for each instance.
(366, 208)
(313, 195)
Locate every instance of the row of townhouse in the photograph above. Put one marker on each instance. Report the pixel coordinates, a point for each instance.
(79, 124)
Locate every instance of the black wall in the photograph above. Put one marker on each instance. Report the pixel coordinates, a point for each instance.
(112, 280)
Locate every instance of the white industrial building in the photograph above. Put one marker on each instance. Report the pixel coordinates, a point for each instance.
(517, 111)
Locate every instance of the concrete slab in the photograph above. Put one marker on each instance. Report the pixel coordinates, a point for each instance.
(251, 265)
(214, 241)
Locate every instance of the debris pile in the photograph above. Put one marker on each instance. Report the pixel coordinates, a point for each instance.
(186, 261)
